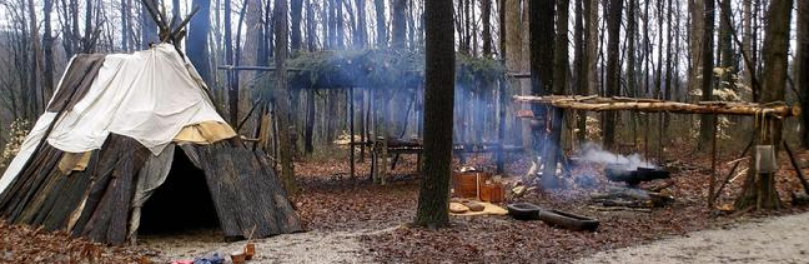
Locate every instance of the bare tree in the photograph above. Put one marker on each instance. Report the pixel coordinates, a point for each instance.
(281, 97)
(759, 189)
(438, 104)
(613, 68)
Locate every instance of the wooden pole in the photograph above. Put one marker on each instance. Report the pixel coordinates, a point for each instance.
(351, 129)
(501, 128)
(732, 170)
(797, 167)
(713, 165)
(595, 103)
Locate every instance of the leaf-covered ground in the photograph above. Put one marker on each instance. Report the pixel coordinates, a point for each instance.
(23, 244)
(330, 200)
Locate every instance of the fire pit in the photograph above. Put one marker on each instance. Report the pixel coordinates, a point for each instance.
(620, 173)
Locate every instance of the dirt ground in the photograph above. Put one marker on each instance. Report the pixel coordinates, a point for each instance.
(309, 247)
(777, 240)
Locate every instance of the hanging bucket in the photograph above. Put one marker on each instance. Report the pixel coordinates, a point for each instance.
(765, 159)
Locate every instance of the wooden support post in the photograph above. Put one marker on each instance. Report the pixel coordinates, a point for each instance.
(501, 128)
(732, 170)
(797, 167)
(712, 186)
(351, 129)
(383, 165)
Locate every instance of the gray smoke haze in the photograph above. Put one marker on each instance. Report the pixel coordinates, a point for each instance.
(594, 153)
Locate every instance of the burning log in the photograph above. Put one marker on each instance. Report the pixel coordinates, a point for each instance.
(595, 103)
(619, 173)
(631, 198)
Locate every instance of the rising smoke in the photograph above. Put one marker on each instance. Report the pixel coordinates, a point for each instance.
(594, 153)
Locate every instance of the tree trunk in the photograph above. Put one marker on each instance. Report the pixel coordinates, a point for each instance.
(726, 46)
(747, 41)
(433, 207)
(310, 26)
(803, 66)
(361, 34)
(36, 65)
(591, 52)
(697, 32)
(148, 28)
(282, 97)
(381, 26)
(295, 36)
(233, 89)
(399, 24)
(707, 121)
(554, 144)
(47, 49)
(542, 43)
(197, 45)
(486, 13)
(339, 31)
(613, 68)
(759, 189)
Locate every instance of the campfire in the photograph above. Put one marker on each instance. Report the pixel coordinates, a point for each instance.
(633, 177)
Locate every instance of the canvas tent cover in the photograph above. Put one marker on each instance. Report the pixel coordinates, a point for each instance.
(141, 105)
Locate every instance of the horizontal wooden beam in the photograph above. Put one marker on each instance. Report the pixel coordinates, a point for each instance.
(251, 68)
(595, 103)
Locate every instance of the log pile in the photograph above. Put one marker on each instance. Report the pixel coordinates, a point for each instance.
(596, 103)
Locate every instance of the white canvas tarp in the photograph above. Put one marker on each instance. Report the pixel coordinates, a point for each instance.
(149, 96)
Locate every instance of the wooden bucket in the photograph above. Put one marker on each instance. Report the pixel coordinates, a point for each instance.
(466, 184)
(491, 192)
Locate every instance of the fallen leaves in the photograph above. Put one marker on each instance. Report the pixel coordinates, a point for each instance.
(23, 244)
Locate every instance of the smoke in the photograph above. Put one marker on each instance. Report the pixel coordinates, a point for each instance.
(594, 153)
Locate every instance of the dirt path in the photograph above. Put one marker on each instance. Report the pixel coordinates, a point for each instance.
(774, 240)
(309, 247)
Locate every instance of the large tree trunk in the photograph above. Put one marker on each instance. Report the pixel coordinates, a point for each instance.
(803, 66)
(707, 121)
(282, 97)
(613, 69)
(759, 189)
(433, 208)
(554, 145)
(197, 45)
(542, 43)
(514, 57)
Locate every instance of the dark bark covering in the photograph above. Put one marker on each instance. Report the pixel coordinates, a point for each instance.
(433, 208)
